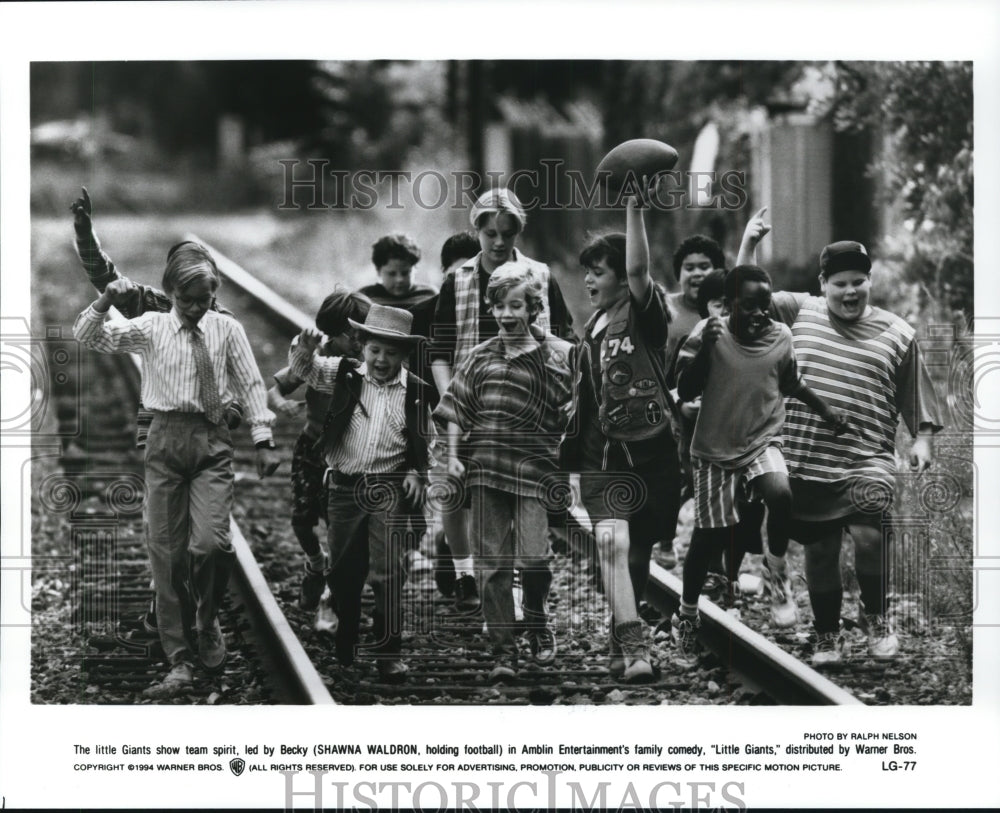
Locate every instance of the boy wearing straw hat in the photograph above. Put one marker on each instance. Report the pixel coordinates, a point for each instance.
(377, 441)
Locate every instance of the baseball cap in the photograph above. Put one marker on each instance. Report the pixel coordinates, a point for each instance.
(844, 255)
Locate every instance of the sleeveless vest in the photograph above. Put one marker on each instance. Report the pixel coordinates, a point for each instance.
(635, 401)
(347, 397)
(467, 303)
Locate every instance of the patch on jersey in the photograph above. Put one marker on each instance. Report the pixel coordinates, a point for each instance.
(620, 373)
(654, 413)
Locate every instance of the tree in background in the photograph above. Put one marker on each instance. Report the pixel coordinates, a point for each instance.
(924, 111)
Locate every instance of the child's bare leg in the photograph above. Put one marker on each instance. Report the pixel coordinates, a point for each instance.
(456, 531)
(612, 546)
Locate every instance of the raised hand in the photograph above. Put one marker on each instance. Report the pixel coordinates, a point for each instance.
(310, 338)
(82, 211)
(757, 229)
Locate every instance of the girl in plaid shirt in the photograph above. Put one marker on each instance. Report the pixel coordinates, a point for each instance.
(513, 395)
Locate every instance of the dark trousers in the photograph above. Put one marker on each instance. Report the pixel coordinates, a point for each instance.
(366, 532)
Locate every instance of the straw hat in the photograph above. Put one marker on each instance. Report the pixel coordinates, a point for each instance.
(384, 322)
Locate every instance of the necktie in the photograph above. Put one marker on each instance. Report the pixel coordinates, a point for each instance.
(206, 378)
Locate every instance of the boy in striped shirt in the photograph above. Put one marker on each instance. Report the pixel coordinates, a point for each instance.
(512, 395)
(193, 361)
(867, 361)
(743, 368)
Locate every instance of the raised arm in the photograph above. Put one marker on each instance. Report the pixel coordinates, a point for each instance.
(755, 231)
(319, 372)
(636, 249)
(92, 331)
(134, 299)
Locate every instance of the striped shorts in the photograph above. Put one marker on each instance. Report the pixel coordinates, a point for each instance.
(717, 491)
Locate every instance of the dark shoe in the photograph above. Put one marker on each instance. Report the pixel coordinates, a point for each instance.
(313, 584)
(212, 647)
(505, 668)
(715, 587)
(444, 566)
(179, 681)
(542, 643)
(466, 594)
(664, 556)
(392, 671)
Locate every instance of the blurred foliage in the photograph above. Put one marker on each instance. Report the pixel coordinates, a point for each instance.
(924, 111)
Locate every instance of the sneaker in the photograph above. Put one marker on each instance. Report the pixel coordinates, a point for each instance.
(716, 587)
(326, 619)
(392, 671)
(466, 594)
(883, 645)
(444, 566)
(784, 612)
(684, 633)
(635, 652)
(542, 642)
(313, 584)
(504, 668)
(829, 649)
(664, 556)
(212, 647)
(179, 680)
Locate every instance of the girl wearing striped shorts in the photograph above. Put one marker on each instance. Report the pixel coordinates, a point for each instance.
(743, 368)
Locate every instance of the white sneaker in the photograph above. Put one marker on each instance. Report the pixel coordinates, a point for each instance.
(829, 650)
(326, 619)
(784, 612)
(883, 645)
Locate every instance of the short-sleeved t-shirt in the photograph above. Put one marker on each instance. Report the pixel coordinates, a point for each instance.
(743, 403)
(871, 369)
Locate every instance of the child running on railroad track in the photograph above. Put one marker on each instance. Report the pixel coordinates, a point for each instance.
(377, 439)
(742, 368)
(511, 397)
(194, 361)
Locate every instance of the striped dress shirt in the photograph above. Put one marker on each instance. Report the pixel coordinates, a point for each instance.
(169, 378)
(375, 440)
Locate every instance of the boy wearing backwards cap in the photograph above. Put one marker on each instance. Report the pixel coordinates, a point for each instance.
(308, 465)
(463, 319)
(511, 397)
(866, 361)
(377, 440)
